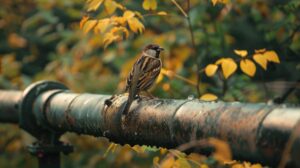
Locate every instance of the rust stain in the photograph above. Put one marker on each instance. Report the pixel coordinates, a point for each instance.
(70, 120)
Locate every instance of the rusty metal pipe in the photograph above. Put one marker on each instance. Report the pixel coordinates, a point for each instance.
(255, 132)
(9, 106)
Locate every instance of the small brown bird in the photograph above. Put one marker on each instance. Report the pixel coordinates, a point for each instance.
(144, 73)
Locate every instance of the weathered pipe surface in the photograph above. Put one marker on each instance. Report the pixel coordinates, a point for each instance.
(255, 132)
(9, 104)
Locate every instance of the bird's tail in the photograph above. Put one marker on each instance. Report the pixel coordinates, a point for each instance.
(128, 103)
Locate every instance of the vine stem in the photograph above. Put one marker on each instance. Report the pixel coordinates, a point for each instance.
(187, 17)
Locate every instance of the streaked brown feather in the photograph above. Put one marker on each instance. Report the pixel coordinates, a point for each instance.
(143, 73)
(149, 70)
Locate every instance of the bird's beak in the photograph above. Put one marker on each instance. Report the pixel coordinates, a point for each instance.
(161, 49)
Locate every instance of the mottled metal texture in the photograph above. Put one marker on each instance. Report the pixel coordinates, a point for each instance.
(27, 120)
(255, 132)
(80, 113)
(9, 105)
(277, 130)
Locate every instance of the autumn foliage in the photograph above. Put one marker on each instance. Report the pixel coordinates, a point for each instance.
(228, 50)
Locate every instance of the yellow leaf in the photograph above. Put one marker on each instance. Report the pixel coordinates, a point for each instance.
(219, 61)
(166, 86)
(211, 69)
(155, 160)
(138, 149)
(222, 150)
(159, 78)
(135, 25)
(182, 162)
(168, 163)
(93, 5)
(178, 56)
(261, 60)
(224, 1)
(110, 6)
(138, 15)
(128, 14)
(204, 166)
(228, 67)
(208, 97)
(162, 13)
(163, 150)
(272, 56)
(16, 41)
(125, 31)
(150, 4)
(118, 20)
(14, 146)
(256, 166)
(102, 26)
(242, 53)
(115, 34)
(248, 67)
(121, 31)
(177, 153)
(214, 2)
(10, 67)
(110, 147)
(89, 25)
(83, 21)
(120, 6)
(196, 157)
(238, 165)
(126, 68)
(164, 71)
(109, 38)
(260, 50)
(230, 162)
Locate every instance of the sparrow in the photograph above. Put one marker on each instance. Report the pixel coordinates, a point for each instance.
(143, 73)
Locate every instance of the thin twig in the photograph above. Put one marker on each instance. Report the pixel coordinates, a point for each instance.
(203, 143)
(267, 93)
(187, 17)
(285, 95)
(194, 46)
(290, 38)
(225, 87)
(180, 8)
(171, 74)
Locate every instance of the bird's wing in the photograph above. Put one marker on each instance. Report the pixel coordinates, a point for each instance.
(150, 69)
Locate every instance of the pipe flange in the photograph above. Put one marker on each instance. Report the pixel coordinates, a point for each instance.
(27, 120)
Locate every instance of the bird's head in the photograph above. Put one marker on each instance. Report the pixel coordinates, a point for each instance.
(153, 50)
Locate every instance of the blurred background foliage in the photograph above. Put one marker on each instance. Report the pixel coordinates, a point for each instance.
(42, 39)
